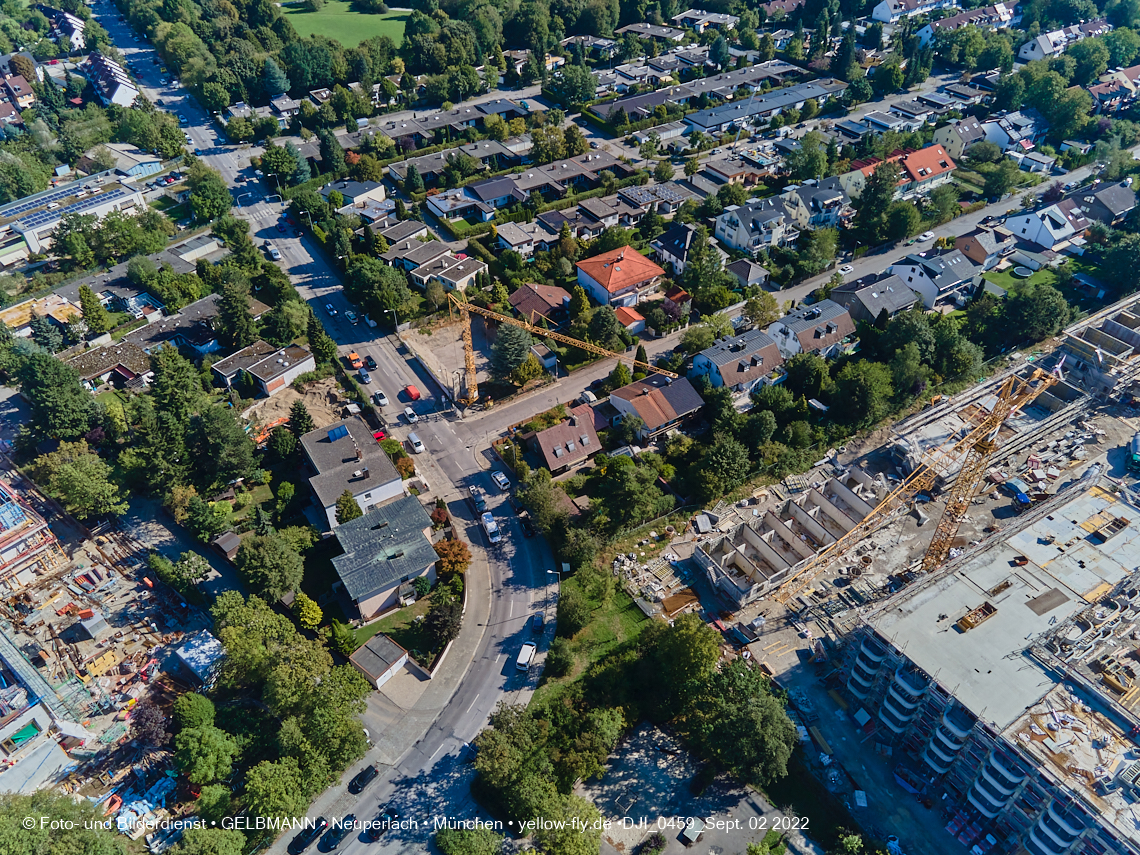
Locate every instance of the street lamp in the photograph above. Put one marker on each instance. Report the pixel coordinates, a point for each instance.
(310, 216)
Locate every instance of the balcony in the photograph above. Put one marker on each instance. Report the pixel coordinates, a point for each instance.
(949, 740)
(935, 761)
(857, 691)
(911, 682)
(903, 699)
(1003, 766)
(1042, 844)
(872, 650)
(997, 782)
(861, 679)
(958, 721)
(1063, 823)
(983, 806)
(946, 749)
(892, 719)
(871, 668)
(898, 710)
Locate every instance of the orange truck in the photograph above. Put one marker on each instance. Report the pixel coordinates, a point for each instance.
(354, 360)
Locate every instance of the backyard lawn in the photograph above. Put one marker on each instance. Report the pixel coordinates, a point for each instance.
(337, 21)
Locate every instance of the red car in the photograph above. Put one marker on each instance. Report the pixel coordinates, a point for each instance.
(412, 392)
(290, 220)
(379, 435)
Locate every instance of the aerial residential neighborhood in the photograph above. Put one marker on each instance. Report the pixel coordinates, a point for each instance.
(483, 428)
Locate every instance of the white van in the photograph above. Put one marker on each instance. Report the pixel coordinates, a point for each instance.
(525, 655)
(414, 442)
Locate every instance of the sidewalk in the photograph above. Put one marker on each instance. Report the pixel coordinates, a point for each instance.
(411, 718)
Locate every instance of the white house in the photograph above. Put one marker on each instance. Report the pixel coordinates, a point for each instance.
(1058, 41)
(893, 11)
(1049, 227)
(346, 457)
(938, 278)
(758, 225)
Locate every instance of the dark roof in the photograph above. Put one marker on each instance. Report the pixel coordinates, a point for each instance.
(244, 359)
(676, 241)
(889, 293)
(377, 656)
(745, 357)
(945, 269)
(383, 546)
(338, 459)
(403, 230)
(493, 188)
(1117, 198)
(658, 401)
(98, 361)
(532, 299)
(747, 270)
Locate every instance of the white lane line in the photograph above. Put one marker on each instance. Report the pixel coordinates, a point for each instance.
(433, 756)
(473, 703)
(511, 610)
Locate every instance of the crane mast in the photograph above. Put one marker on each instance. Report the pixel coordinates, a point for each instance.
(978, 445)
(471, 393)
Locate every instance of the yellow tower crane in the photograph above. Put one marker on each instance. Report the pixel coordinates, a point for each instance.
(471, 393)
(978, 446)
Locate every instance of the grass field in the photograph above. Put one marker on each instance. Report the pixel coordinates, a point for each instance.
(337, 21)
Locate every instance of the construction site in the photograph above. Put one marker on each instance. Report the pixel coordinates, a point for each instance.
(954, 613)
(86, 634)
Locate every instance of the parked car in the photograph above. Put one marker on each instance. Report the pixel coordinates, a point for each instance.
(501, 480)
(274, 253)
(365, 377)
(416, 443)
(354, 359)
(335, 835)
(926, 236)
(538, 621)
(363, 778)
(385, 820)
(845, 269)
(369, 363)
(528, 527)
(380, 398)
(379, 435)
(281, 228)
(305, 837)
(410, 415)
(412, 392)
(351, 316)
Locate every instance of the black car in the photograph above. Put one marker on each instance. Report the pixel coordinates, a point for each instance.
(370, 363)
(516, 506)
(382, 823)
(306, 836)
(335, 835)
(363, 779)
(528, 527)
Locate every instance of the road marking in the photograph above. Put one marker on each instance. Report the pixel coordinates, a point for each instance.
(472, 704)
(433, 756)
(511, 610)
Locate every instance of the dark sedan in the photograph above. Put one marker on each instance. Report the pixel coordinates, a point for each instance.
(363, 778)
(335, 835)
(306, 836)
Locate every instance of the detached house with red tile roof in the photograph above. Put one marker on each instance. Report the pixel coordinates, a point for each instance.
(921, 170)
(619, 277)
(658, 401)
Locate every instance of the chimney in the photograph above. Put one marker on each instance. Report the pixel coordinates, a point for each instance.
(359, 454)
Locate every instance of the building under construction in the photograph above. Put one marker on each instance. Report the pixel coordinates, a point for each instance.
(1008, 678)
(28, 548)
(746, 560)
(1103, 350)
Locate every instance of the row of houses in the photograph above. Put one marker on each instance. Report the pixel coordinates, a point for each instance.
(480, 200)
(111, 82)
(772, 73)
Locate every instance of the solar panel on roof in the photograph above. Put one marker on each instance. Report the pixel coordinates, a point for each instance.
(338, 432)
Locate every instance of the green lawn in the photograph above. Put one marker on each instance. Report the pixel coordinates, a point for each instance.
(1005, 278)
(337, 21)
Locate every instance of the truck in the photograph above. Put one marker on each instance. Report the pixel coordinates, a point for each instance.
(1133, 461)
(490, 527)
(478, 500)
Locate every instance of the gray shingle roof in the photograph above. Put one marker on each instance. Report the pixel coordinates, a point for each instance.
(337, 460)
(384, 546)
(889, 293)
(808, 317)
(736, 347)
(1117, 198)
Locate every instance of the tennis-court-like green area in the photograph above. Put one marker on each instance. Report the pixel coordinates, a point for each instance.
(337, 21)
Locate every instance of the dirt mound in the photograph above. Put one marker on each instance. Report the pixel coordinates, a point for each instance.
(323, 399)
